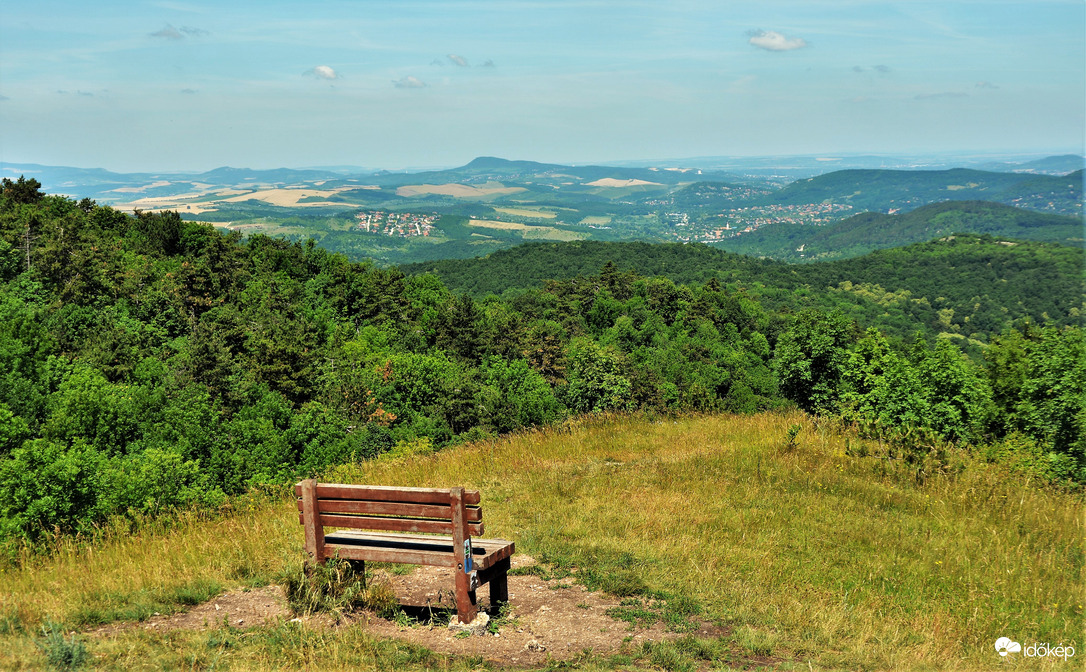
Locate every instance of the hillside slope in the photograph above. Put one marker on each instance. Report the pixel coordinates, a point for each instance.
(881, 190)
(872, 231)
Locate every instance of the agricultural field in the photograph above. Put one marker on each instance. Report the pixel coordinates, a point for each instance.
(527, 231)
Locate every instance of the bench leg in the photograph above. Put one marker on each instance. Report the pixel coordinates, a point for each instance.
(314, 530)
(499, 584)
(465, 597)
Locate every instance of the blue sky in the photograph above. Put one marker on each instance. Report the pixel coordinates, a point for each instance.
(191, 85)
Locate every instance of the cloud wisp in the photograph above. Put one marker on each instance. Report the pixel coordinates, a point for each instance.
(409, 82)
(771, 40)
(322, 72)
(171, 33)
(458, 61)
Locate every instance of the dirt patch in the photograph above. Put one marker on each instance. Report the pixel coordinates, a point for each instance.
(547, 619)
(237, 608)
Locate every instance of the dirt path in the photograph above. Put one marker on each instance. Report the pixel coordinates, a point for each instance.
(549, 620)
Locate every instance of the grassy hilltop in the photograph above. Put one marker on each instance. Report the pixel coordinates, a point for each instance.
(820, 553)
(824, 553)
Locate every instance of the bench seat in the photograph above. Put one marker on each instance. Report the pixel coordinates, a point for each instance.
(413, 549)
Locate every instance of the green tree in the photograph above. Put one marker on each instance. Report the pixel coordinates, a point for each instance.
(21, 190)
(811, 357)
(1052, 403)
(13, 430)
(881, 386)
(45, 486)
(522, 398)
(596, 380)
(957, 401)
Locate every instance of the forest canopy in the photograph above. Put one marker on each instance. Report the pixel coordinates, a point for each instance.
(149, 363)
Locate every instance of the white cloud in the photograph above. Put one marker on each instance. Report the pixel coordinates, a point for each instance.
(409, 82)
(322, 72)
(986, 85)
(458, 61)
(771, 40)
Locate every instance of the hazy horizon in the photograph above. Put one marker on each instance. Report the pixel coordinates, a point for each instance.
(190, 86)
(759, 162)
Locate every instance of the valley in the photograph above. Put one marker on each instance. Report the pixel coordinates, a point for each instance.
(490, 204)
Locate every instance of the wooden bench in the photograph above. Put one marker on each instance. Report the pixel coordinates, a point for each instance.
(412, 519)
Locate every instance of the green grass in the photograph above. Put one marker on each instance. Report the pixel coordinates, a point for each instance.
(807, 554)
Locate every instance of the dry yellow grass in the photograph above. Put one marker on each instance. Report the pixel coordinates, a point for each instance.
(287, 198)
(848, 560)
(201, 202)
(822, 557)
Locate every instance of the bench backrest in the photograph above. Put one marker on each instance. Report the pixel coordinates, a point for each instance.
(376, 507)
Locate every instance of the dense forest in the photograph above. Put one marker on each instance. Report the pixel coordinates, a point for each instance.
(967, 287)
(148, 363)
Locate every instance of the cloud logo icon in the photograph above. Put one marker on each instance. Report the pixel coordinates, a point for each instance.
(1005, 645)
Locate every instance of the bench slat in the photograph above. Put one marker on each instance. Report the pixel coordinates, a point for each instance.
(385, 493)
(479, 545)
(390, 555)
(392, 524)
(486, 552)
(474, 513)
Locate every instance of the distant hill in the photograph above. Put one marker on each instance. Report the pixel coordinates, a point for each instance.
(872, 231)
(1050, 165)
(228, 176)
(967, 284)
(887, 190)
(487, 168)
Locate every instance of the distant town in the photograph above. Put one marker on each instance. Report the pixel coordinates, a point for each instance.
(737, 221)
(400, 224)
